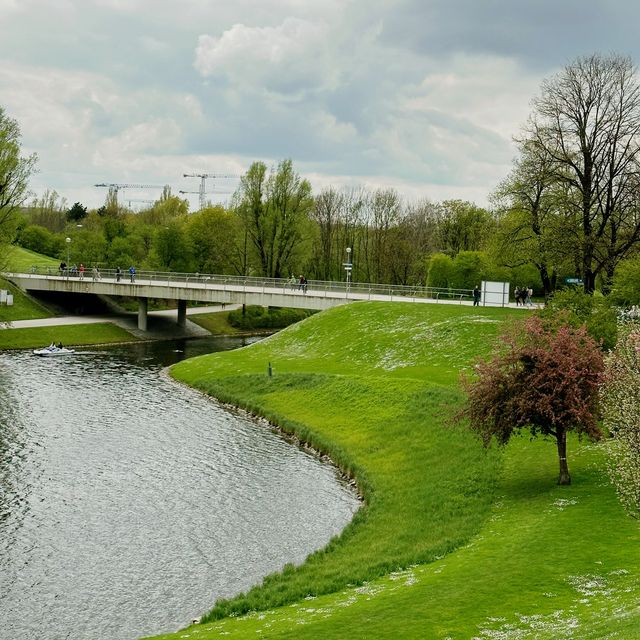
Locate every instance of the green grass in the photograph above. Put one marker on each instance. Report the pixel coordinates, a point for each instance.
(69, 335)
(454, 541)
(24, 307)
(22, 260)
(216, 323)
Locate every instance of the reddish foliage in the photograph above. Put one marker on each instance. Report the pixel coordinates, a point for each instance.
(544, 379)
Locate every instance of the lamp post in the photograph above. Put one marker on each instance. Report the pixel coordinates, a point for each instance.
(347, 267)
(68, 241)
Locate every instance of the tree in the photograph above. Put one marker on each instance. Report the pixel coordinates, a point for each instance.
(586, 122)
(544, 380)
(77, 212)
(14, 175)
(462, 226)
(440, 270)
(532, 230)
(621, 410)
(273, 210)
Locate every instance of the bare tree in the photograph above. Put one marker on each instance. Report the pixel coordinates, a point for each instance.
(587, 121)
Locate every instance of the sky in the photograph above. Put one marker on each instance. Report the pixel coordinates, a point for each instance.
(423, 96)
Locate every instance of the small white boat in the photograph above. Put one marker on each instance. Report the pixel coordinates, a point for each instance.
(52, 350)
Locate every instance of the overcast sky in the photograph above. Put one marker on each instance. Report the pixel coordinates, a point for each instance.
(420, 95)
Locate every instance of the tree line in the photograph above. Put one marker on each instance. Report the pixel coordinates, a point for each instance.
(569, 209)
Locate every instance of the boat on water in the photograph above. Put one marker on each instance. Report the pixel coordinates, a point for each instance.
(52, 350)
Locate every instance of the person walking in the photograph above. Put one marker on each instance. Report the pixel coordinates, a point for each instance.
(81, 269)
(118, 274)
(476, 296)
(132, 273)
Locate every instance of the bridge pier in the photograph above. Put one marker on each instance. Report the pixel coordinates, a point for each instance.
(182, 313)
(142, 313)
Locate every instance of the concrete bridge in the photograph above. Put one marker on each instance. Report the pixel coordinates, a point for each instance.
(221, 289)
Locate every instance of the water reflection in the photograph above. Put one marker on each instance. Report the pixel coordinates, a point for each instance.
(128, 504)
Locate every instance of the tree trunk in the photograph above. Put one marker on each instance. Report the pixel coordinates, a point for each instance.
(561, 440)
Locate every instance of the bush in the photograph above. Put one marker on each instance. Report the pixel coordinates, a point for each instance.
(577, 308)
(256, 317)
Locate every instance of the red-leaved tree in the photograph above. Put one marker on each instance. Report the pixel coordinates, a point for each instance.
(544, 379)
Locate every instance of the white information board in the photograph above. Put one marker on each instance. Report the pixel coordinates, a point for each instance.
(494, 294)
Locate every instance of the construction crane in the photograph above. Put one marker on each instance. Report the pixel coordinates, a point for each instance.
(203, 183)
(114, 187)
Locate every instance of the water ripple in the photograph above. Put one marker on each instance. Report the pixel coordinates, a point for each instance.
(128, 504)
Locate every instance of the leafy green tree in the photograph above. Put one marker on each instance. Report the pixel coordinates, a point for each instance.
(468, 270)
(544, 380)
(626, 283)
(15, 172)
(215, 235)
(273, 209)
(40, 240)
(172, 249)
(531, 227)
(77, 212)
(440, 270)
(575, 307)
(462, 226)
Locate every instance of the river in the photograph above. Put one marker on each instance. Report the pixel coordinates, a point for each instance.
(129, 503)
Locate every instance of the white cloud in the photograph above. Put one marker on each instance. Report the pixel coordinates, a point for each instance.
(279, 58)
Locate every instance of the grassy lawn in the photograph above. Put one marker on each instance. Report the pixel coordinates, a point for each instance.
(216, 323)
(23, 308)
(69, 335)
(453, 541)
(22, 260)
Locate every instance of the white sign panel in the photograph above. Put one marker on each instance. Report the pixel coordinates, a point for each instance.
(495, 294)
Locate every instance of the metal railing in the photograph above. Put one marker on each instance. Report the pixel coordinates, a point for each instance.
(326, 288)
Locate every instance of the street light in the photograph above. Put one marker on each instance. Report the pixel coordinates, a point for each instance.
(68, 241)
(347, 267)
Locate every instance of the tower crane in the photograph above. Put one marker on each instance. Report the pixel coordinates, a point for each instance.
(114, 187)
(203, 183)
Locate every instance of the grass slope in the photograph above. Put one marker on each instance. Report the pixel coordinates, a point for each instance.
(23, 260)
(454, 542)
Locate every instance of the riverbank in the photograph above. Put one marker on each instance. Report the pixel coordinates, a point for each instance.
(453, 541)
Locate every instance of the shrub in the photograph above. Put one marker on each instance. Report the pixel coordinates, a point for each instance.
(621, 409)
(576, 308)
(257, 317)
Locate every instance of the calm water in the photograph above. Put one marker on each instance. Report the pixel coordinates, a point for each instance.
(129, 504)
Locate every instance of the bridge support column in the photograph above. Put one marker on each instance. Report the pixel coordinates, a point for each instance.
(182, 313)
(142, 313)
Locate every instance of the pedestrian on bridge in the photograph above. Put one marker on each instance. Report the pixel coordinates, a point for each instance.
(81, 269)
(132, 273)
(118, 274)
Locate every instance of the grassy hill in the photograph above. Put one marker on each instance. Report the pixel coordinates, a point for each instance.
(453, 541)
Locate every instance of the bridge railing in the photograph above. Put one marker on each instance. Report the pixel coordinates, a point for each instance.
(351, 290)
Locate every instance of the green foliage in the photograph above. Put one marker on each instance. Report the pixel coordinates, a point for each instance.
(40, 240)
(469, 269)
(440, 270)
(626, 283)
(463, 226)
(380, 410)
(575, 307)
(621, 402)
(171, 248)
(257, 317)
(77, 212)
